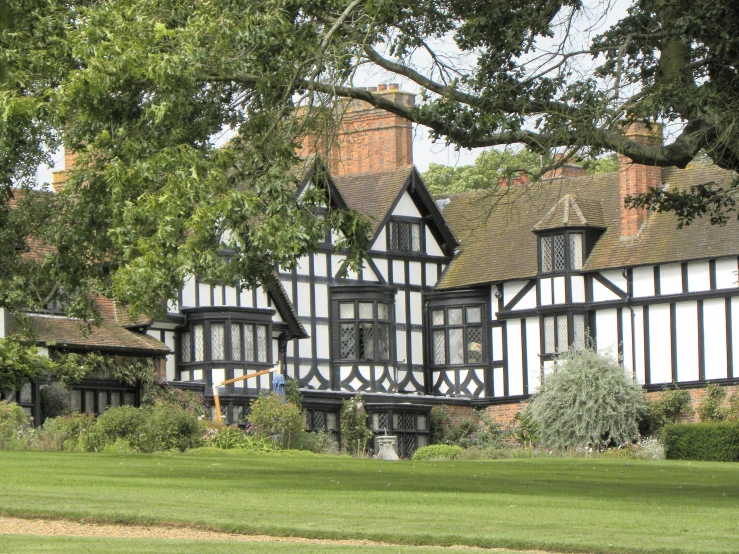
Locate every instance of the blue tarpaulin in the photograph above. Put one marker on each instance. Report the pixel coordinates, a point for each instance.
(278, 384)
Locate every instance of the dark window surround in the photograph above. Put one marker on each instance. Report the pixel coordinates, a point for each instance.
(361, 293)
(567, 254)
(570, 315)
(230, 318)
(393, 237)
(471, 328)
(411, 425)
(459, 299)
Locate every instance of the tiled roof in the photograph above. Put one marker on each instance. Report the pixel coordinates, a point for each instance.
(569, 212)
(497, 242)
(373, 193)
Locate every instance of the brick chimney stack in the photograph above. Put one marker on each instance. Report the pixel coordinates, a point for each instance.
(636, 178)
(59, 177)
(567, 170)
(368, 138)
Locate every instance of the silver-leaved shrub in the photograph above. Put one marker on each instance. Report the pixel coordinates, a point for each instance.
(588, 401)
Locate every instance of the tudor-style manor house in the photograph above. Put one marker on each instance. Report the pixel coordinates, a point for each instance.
(463, 300)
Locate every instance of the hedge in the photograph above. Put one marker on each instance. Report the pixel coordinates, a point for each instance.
(718, 442)
(436, 452)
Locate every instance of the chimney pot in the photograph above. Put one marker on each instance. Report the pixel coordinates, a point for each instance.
(381, 87)
(371, 89)
(394, 86)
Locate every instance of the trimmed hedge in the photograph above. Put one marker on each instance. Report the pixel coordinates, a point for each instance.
(716, 442)
(436, 452)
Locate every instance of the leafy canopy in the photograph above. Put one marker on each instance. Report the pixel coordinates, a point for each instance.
(142, 89)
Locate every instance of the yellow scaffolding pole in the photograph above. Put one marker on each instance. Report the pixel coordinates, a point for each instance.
(234, 380)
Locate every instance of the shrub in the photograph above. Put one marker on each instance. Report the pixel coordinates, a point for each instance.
(292, 392)
(525, 431)
(14, 424)
(125, 423)
(171, 428)
(54, 400)
(589, 401)
(355, 434)
(702, 441)
(272, 415)
(318, 442)
(479, 431)
(233, 438)
(711, 407)
(732, 413)
(650, 448)
(668, 408)
(63, 432)
(436, 452)
(440, 419)
(185, 400)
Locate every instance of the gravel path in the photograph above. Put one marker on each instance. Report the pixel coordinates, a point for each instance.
(59, 527)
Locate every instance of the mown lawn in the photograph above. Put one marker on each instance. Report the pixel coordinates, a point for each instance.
(560, 504)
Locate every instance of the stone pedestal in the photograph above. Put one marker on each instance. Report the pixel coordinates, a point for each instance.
(387, 448)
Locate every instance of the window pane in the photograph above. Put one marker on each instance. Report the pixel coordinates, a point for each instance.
(416, 237)
(261, 343)
(578, 330)
(562, 340)
(236, 342)
(186, 346)
(383, 311)
(197, 331)
(115, 399)
(348, 341)
(549, 342)
(249, 343)
(404, 238)
(129, 399)
(437, 317)
(439, 347)
(89, 401)
(474, 315)
(366, 341)
(456, 345)
(102, 401)
(332, 421)
(365, 310)
(346, 310)
(575, 251)
(421, 422)
(216, 341)
(392, 230)
(474, 345)
(455, 316)
(559, 252)
(75, 398)
(383, 341)
(546, 254)
(26, 393)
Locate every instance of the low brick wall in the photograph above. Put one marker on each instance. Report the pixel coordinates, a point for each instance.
(696, 396)
(503, 414)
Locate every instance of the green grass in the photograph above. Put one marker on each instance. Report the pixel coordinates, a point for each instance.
(559, 504)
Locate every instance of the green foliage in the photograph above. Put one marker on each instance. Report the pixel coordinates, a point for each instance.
(355, 433)
(711, 408)
(436, 452)
(163, 394)
(439, 421)
(273, 416)
(13, 425)
(587, 402)
(54, 400)
(526, 431)
(480, 431)
(318, 442)
(668, 408)
(292, 392)
(702, 441)
(63, 432)
(20, 363)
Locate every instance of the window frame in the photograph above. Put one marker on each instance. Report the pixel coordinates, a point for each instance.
(401, 220)
(358, 322)
(565, 234)
(570, 315)
(464, 304)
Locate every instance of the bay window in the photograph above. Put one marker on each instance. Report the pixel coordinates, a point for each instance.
(457, 335)
(561, 252)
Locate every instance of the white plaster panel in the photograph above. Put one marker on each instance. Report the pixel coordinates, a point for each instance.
(548, 368)
(414, 273)
(197, 375)
(217, 375)
(380, 242)
(602, 294)
(616, 277)
(325, 372)
(246, 298)
(639, 344)
(726, 276)
(559, 290)
(405, 207)
(304, 300)
(303, 266)
(345, 372)
(218, 295)
(643, 281)
(184, 375)
(277, 318)
(498, 381)
(400, 346)
(515, 362)
(239, 373)
(527, 302)
(417, 348)
(686, 329)
(319, 265)
(321, 300)
(497, 343)
(511, 289)
(188, 293)
(735, 333)
(670, 279)
(364, 371)
(153, 333)
(336, 264)
(606, 328)
(714, 338)
(204, 293)
(577, 288)
(352, 275)
(400, 307)
(430, 277)
(628, 360)
(231, 295)
(416, 308)
(172, 307)
(323, 350)
(432, 247)
(368, 274)
(545, 291)
(304, 348)
(699, 277)
(381, 265)
(170, 342)
(660, 345)
(533, 361)
(399, 272)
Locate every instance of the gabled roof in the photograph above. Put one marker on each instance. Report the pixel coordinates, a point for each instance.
(569, 212)
(286, 308)
(497, 242)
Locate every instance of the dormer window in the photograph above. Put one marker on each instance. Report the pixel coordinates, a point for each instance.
(404, 235)
(561, 252)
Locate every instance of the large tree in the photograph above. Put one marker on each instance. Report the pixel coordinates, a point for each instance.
(141, 89)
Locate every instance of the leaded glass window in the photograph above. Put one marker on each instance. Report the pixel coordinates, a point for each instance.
(578, 330)
(575, 251)
(26, 393)
(90, 401)
(75, 401)
(561, 252)
(346, 310)
(549, 336)
(366, 341)
(457, 335)
(348, 341)
(404, 236)
(364, 330)
(383, 341)
(557, 332)
(546, 254)
(249, 343)
(129, 399)
(562, 338)
(186, 347)
(115, 399)
(262, 343)
(102, 401)
(558, 247)
(217, 342)
(197, 334)
(236, 331)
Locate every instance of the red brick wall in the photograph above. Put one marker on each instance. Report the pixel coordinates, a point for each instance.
(696, 396)
(636, 178)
